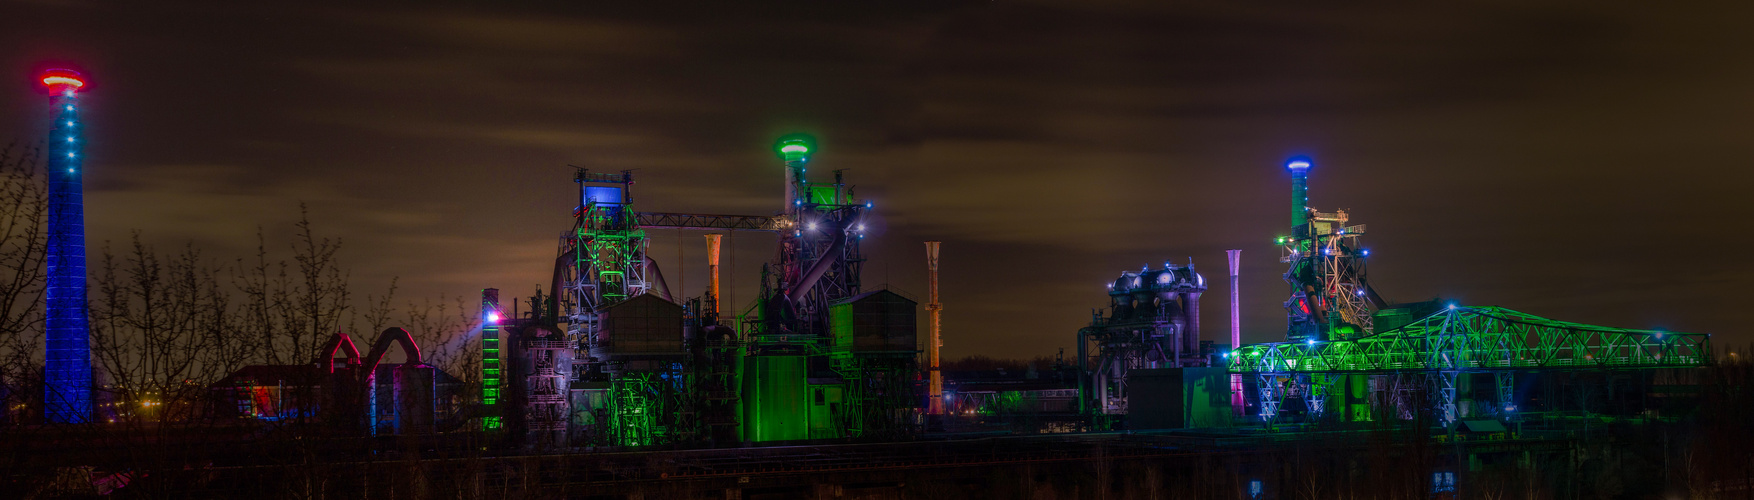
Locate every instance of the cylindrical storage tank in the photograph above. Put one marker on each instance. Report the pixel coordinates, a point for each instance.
(1121, 297)
(1191, 305)
(774, 402)
(1143, 306)
(1164, 285)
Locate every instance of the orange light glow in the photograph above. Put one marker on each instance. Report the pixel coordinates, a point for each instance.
(63, 80)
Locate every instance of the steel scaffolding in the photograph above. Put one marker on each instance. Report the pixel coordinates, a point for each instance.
(1455, 341)
(1480, 338)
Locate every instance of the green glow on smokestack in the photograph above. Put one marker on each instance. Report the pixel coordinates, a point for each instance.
(1299, 167)
(793, 148)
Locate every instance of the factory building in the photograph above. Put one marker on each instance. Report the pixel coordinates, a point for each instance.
(360, 394)
(613, 356)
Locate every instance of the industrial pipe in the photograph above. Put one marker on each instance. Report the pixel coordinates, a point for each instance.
(326, 354)
(382, 346)
(655, 279)
(821, 265)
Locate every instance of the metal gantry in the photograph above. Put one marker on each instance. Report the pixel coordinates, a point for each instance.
(710, 221)
(1455, 341)
(1480, 338)
(607, 248)
(1331, 298)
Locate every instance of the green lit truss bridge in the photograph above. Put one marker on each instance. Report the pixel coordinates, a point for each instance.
(1468, 339)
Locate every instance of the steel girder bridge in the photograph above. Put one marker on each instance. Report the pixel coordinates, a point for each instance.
(1459, 340)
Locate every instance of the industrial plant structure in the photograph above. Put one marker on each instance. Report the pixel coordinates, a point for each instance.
(1153, 325)
(1349, 355)
(351, 393)
(615, 356)
(610, 355)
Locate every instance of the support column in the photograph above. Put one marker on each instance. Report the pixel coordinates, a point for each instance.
(1506, 384)
(1446, 386)
(1271, 395)
(1358, 401)
(1316, 389)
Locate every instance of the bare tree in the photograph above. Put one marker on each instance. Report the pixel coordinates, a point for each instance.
(162, 329)
(323, 296)
(378, 311)
(23, 246)
(444, 329)
(294, 307)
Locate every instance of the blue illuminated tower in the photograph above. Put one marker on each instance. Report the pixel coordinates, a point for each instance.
(67, 381)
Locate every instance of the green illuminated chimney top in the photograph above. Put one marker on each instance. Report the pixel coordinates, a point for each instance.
(794, 147)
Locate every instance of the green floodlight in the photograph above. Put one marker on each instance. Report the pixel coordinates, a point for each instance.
(795, 148)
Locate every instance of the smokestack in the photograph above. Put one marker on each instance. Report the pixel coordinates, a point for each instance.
(67, 375)
(1236, 396)
(712, 273)
(1235, 314)
(935, 405)
(490, 358)
(1299, 166)
(795, 151)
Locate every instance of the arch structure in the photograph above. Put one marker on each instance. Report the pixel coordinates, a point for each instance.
(342, 343)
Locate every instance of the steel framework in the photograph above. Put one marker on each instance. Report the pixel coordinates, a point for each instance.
(1330, 296)
(1442, 346)
(1153, 322)
(1480, 338)
(707, 221)
(646, 408)
(607, 250)
(630, 392)
(492, 376)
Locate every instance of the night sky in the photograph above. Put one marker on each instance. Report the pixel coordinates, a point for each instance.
(1572, 161)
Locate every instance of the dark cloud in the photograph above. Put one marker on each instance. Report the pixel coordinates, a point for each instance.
(1573, 160)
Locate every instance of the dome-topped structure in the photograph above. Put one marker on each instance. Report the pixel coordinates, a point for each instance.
(1153, 321)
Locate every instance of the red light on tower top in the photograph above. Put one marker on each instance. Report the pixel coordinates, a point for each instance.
(63, 81)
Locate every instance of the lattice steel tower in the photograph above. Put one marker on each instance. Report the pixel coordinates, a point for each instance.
(1330, 297)
(67, 362)
(820, 262)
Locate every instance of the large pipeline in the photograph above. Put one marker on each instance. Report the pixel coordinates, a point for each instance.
(822, 264)
(382, 346)
(565, 259)
(326, 354)
(655, 279)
